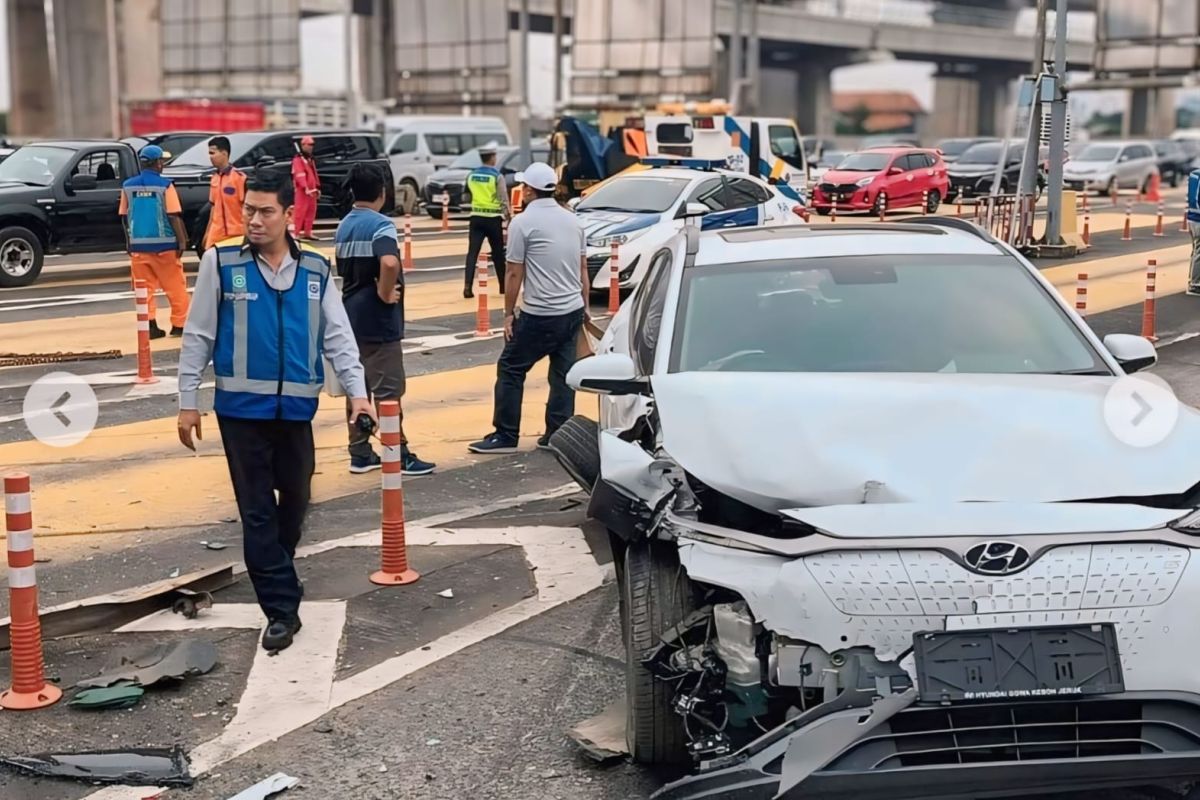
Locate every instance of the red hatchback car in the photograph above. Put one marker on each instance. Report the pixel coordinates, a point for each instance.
(906, 174)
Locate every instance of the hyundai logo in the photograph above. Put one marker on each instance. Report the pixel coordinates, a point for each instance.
(997, 558)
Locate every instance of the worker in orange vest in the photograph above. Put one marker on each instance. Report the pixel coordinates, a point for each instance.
(308, 188)
(226, 194)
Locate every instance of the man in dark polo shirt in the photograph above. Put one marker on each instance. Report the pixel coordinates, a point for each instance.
(368, 262)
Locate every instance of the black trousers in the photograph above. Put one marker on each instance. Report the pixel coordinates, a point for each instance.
(534, 338)
(492, 229)
(265, 457)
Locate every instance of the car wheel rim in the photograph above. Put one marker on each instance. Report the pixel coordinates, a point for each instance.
(16, 258)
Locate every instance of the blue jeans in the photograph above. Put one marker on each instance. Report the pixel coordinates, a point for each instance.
(534, 338)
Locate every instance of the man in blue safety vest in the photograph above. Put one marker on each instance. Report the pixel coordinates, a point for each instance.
(265, 314)
(488, 196)
(1193, 222)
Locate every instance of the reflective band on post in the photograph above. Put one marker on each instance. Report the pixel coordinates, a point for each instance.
(143, 325)
(20, 541)
(22, 577)
(391, 454)
(392, 480)
(142, 294)
(389, 424)
(20, 503)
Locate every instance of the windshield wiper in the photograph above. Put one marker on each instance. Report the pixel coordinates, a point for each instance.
(1083, 371)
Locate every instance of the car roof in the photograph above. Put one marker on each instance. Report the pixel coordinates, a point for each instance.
(73, 143)
(823, 240)
(897, 148)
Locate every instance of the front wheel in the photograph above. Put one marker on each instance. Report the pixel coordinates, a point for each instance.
(21, 256)
(932, 201)
(656, 595)
(407, 196)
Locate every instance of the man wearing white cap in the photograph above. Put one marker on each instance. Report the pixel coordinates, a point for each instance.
(547, 269)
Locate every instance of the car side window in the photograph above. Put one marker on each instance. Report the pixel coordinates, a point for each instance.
(279, 148)
(929, 160)
(405, 143)
(647, 312)
(913, 161)
(744, 193)
(711, 193)
(104, 166)
(445, 144)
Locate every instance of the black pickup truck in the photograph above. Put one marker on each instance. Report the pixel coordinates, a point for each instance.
(60, 197)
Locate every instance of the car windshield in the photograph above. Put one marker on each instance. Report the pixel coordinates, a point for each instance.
(875, 314)
(646, 195)
(34, 165)
(864, 162)
(953, 147)
(982, 154)
(1099, 152)
(197, 154)
(468, 160)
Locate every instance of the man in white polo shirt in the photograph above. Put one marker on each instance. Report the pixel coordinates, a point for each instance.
(547, 270)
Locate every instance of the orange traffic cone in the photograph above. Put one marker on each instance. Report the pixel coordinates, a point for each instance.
(396, 570)
(1154, 192)
(29, 688)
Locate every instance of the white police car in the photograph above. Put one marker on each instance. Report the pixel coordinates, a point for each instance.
(642, 210)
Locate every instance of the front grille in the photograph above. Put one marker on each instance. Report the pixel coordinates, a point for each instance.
(839, 188)
(595, 264)
(1035, 731)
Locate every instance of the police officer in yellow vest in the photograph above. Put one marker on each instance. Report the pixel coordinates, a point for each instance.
(488, 196)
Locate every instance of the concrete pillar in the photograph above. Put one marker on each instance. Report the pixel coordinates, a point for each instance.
(141, 50)
(955, 107)
(814, 99)
(33, 112)
(81, 52)
(377, 65)
(1151, 112)
(778, 92)
(995, 94)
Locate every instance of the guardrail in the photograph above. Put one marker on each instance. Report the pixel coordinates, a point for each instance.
(1081, 26)
(1008, 217)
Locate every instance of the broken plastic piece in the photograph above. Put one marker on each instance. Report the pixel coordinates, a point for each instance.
(214, 545)
(602, 737)
(175, 661)
(190, 603)
(448, 593)
(122, 695)
(135, 767)
(278, 782)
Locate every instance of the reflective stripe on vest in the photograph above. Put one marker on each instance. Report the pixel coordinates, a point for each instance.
(148, 224)
(268, 357)
(484, 184)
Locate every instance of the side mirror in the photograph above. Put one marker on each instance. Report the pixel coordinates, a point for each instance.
(895, 171)
(82, 182)
(693, 210)
(1133, 353)
(265, 161)
(574, 202)
(607, 373)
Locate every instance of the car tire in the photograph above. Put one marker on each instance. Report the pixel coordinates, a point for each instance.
(932, 201)
(1174, 180)
(576, 445)
(21, 256)
(1111, 187)
(434, 213)
(407, 196)
(656, 596)
(824, 212)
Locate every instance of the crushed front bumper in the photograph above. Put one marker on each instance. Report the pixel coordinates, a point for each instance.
(956, 752)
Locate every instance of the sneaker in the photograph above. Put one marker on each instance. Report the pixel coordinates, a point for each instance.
(177, 331)
(413, 465)
(494, 443)
(1194, 291)
(155, 331)
(467, 293)
(361, 464)
(543, 443)
(279, 634)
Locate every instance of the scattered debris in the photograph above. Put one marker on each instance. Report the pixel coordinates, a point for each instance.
(383, 767)
(107, 612)
(229, 519)
(214, 545)
(323, 727)
(174, 573)
(121, 695)
(278, 782)
(602, 737)
(449, 593)
(432, 742)
(190, 603)
(175, 661)
(42, 559)
(549, 774)
(134, 767)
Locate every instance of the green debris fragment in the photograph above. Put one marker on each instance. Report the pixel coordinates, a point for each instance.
(121, 695)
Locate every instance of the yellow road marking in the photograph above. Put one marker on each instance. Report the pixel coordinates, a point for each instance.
(137, 475)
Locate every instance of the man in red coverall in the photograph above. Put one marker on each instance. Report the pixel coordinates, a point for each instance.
(308, 189)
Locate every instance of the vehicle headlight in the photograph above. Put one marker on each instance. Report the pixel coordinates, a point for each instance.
(864, 181)
(1189, 523)
(618, 238)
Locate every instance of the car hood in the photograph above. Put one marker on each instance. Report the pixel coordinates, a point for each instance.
(1074, 165)
(610, 223)
(845, 176)
(783, 440)
(445, 176)
(958, 168)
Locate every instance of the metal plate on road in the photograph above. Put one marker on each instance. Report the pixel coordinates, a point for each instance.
(1017, 664)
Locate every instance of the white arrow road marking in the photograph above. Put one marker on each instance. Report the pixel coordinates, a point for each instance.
(296, 687)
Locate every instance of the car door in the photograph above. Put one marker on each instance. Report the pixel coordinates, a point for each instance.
(711, 194)
(88, 218)
(1127, 167)
(748, 202)
(637, 333)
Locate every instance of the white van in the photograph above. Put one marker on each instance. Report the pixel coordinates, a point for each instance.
(417, 145)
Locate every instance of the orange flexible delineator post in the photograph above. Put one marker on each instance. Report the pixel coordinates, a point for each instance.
(1081, 280)
(833, 213)
(445, 214)
(408, 237)
(924, 202)
(483, 323)
(29, 688)
(1149, 316)
(614, 280)
(883, 206)
(1183, 222)
(396, 570)
(1158, 225)
(1127, 236)
(1087, 230)
(141, 294)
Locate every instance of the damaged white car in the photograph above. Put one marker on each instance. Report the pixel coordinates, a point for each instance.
(873, 535)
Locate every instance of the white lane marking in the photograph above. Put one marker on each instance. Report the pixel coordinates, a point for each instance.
(221, 615)
(286, 692)
(1183, 337)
